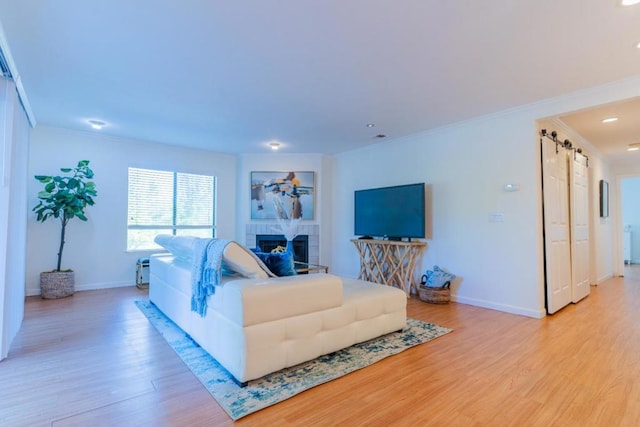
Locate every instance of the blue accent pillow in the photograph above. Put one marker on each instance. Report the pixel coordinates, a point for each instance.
(438, 278)
(280, 263)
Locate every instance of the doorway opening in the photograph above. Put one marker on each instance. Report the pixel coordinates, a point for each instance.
(630, 200)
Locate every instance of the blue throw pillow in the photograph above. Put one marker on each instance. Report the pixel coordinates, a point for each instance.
(280, 263)
(438, 278)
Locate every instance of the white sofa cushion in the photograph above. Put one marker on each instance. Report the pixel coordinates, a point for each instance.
(241, 260)
(180, 246)
(251, 301)
(235, 257)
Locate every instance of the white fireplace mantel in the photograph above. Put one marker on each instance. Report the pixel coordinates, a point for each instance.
(311, 230)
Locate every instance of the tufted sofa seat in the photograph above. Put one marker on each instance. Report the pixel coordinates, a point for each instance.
(257, 326)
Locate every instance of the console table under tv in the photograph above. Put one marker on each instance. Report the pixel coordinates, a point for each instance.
(389, 262)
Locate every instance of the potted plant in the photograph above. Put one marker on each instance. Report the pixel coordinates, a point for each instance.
(64, 197)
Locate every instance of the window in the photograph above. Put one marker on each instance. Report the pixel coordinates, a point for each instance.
(164, 202)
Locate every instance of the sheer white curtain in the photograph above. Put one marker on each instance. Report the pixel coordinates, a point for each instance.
(14, 144)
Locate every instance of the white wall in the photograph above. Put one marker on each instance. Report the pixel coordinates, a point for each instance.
(14, 142)
(320, 164)
(499, 265)
(601, 230)
(630, 192)
(465, 167)
(96, 249)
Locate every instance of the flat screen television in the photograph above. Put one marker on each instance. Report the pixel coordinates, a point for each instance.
(393, 213)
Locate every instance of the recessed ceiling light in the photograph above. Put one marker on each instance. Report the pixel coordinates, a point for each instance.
(633, 148)
(370, 125)
(629, 2)
(96, 124)
(610, 119)
(274, 145)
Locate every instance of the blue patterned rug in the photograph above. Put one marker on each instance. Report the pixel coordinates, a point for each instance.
(273, 388)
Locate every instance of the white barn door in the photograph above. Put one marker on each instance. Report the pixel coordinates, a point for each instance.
(556, 225)
(579, 193)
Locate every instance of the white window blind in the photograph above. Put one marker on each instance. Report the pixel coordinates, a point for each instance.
(165, 202)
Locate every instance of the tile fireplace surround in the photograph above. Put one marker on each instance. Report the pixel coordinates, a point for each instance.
(311, 230)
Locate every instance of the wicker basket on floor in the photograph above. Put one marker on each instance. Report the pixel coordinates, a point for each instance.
(57, 284)
(435, 295)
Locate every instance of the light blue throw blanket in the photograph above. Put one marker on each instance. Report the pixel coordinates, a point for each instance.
(206, 271)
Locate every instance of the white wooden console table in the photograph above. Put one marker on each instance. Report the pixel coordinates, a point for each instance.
(389, 262)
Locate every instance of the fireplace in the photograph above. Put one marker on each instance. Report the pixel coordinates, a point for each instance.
(310, 231)
(268, 242)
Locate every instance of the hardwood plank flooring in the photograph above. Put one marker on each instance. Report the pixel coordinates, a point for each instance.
(93, 359)
(632, 271)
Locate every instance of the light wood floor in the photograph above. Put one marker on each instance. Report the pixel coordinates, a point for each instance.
(632, 271)
(94, 360)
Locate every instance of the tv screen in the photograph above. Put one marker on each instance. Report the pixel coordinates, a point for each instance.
(391, 212)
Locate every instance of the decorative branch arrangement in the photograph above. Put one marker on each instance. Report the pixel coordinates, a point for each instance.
(288, 227)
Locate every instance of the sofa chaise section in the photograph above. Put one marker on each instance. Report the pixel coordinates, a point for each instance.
(255, 326)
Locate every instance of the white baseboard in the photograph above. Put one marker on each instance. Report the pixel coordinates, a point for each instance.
(537, 314)
(490, 305)
(86, 287)
(603, 279)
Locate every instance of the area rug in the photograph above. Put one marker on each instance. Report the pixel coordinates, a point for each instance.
(258, 394)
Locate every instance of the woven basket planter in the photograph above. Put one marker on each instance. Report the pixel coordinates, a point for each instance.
(57, 284)
(435, 295)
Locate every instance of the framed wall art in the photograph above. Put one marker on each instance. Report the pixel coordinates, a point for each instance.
(287, 195)
(604, 198)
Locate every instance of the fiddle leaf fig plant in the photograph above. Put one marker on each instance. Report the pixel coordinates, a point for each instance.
(66, 197)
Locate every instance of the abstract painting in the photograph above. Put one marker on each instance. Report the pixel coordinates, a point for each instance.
(286, 195)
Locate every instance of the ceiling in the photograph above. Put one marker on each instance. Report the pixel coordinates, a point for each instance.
(232, 76)
(611, 138)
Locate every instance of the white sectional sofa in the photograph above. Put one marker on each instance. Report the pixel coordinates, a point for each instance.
(257, 325)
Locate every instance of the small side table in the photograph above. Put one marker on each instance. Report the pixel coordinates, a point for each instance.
(306, 268)
(142, 273)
